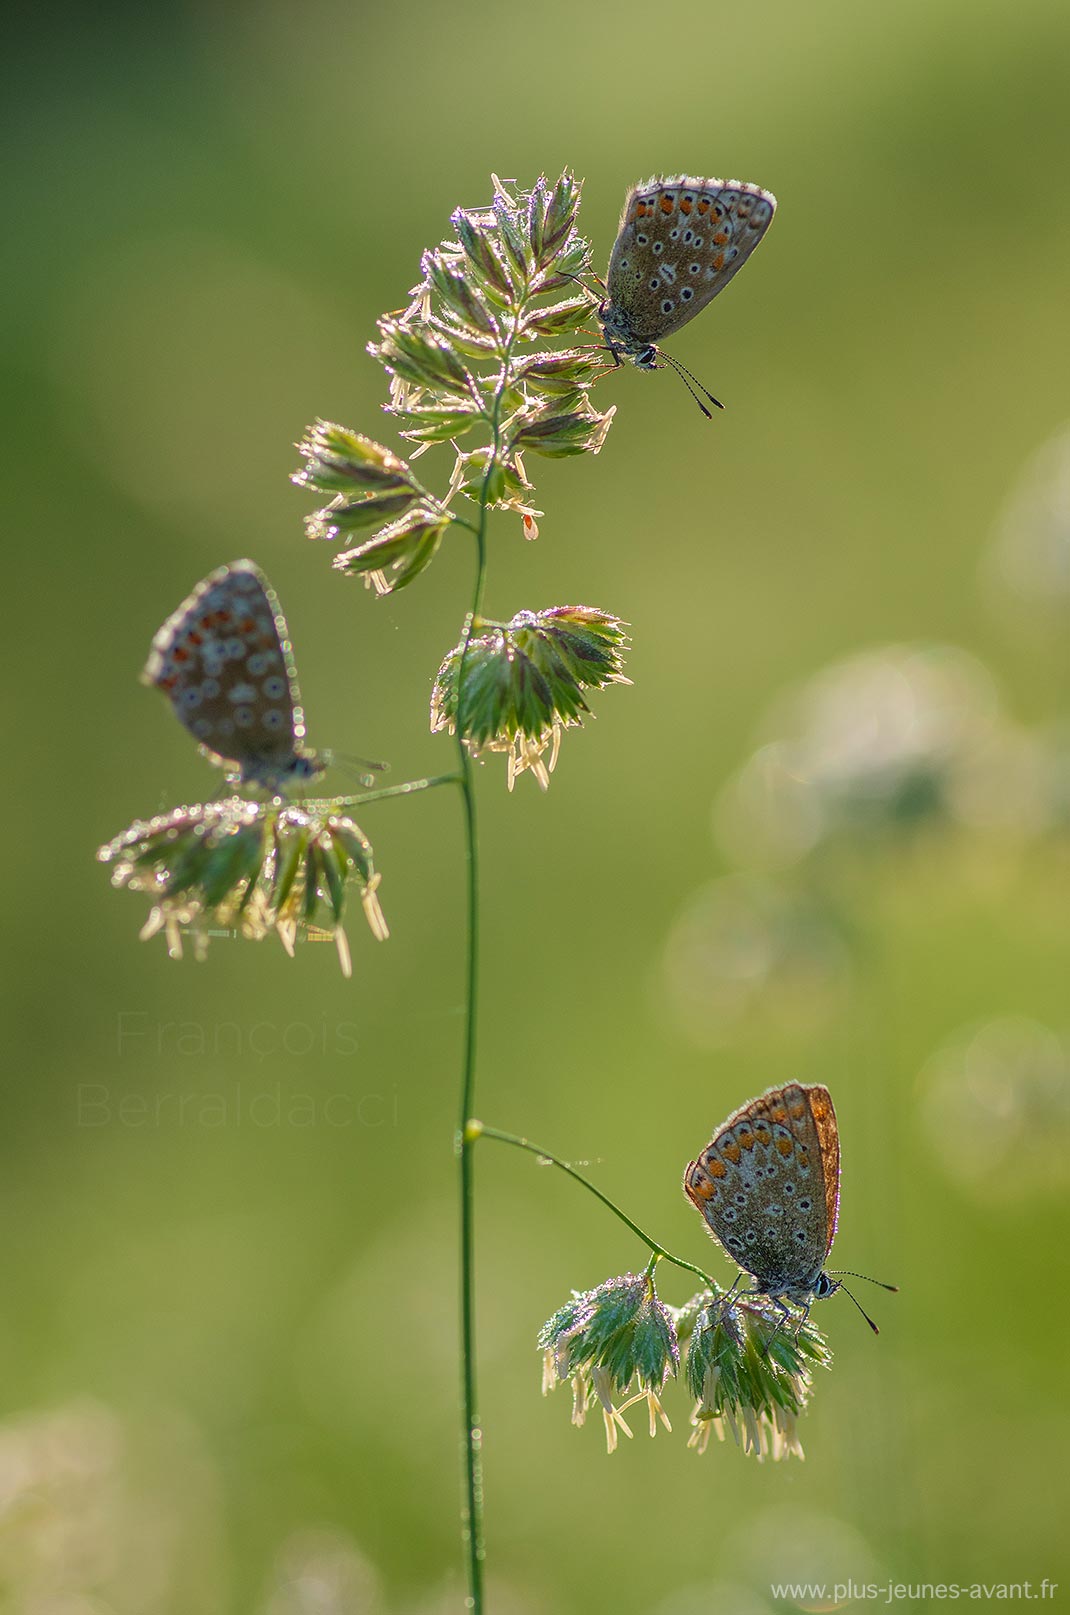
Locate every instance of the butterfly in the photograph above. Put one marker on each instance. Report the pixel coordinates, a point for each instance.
(768, 1187)
(225, 663)
(679, 243)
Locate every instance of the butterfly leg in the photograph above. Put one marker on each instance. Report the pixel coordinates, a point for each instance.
(736, 1282)
(785, 1317)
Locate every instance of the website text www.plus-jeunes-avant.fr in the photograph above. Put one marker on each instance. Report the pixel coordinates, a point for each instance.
(822, 1595)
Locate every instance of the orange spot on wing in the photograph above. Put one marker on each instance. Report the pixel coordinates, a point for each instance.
(733, 1151)
(779, 1114)
(716, 1169)
(721, 238)
(641, 210)
(686, 204)
(667, 204)
(704, 204)
(747, 1141)
(785, 1146)
(718, 262)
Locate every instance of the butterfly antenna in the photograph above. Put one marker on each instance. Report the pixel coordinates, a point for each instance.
(859, 1305)
(364, 769)
(846, 1272)
(691, 382)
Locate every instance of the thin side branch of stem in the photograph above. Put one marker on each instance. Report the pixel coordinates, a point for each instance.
(410, 787)
(658, 1250)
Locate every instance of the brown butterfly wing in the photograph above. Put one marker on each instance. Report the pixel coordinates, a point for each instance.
(767, 1184)
(679, 244)
(223, 660)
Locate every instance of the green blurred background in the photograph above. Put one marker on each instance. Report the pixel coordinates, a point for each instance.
(227, 1338)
